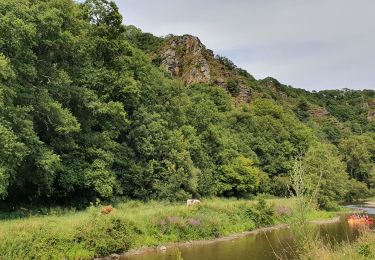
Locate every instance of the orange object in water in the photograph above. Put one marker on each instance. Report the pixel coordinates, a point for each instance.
(107, 209)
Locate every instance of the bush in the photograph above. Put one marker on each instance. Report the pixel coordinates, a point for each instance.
(244, 73)
(226, 62)
(261, 214)
(328, 204)
(358, 190)
(279, 186)
(105, 234)
(233, 87)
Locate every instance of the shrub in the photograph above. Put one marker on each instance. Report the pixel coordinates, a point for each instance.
(279, 186)
(364, 250)
(105, 234)
(358, 190)
(244, 73)
(328, 204)
(233, 87)
(261, 214)
(226, 62)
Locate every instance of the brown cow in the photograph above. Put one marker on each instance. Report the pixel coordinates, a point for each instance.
(107, 209)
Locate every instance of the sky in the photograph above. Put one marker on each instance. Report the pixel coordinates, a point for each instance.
(310, 44)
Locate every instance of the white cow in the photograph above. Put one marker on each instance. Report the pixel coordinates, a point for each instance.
(192, 202)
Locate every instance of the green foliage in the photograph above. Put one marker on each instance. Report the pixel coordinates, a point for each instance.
(356, 191)
(226, 62)
(105, 15)
(359, 155)
(333, 130)
(278, 136)
(245, 74)
(85, 114)
(144, 41)
(364, 250)
(240, 177)
(233, 87)
(262, 214)
(104, 235)
(280, 186)
(302, 110)
(326, 172)
(231, 66)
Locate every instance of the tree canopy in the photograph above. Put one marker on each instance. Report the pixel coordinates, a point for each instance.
(86, 114)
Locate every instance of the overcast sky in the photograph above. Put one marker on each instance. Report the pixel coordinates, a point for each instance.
(311, 44)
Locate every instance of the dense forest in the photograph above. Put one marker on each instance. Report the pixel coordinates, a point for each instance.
(87, 111)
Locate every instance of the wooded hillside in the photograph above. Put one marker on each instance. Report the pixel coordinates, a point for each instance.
(90, 109)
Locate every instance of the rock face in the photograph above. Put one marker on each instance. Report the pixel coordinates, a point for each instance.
(371, 113)
(371, 116)
(319, 112)
(187, 58)
(245, 95)
(371, 104)
(170, 61)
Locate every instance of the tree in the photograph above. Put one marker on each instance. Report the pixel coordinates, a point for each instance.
(104, 14)
(325, 170)
(240, 177)
(302, 110)
(278, 136)
(359, 154)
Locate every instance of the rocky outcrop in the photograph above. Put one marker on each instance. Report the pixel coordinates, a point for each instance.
(274, 86)
(169, 60)
(245, 95)
(319, 112)
(371, 116)
(371, 104)
(187, 58)
(371, 113)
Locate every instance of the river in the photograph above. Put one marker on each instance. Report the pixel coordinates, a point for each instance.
(267, 245)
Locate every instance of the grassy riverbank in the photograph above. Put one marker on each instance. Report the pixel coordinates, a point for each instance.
(86, 234)
(362, 248)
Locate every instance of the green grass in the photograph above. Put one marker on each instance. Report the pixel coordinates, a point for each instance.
(363, 248)
(59, 234)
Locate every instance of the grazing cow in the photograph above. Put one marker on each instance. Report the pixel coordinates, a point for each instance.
(192, 202)
(107, 209)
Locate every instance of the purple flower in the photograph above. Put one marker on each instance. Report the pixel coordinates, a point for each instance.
(283, 211)
(194, 222)
(173, 220)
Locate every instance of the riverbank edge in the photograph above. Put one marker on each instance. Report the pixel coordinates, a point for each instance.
(148, 250)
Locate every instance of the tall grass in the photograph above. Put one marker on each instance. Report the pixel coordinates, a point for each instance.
(303, 211)
(362, 248)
